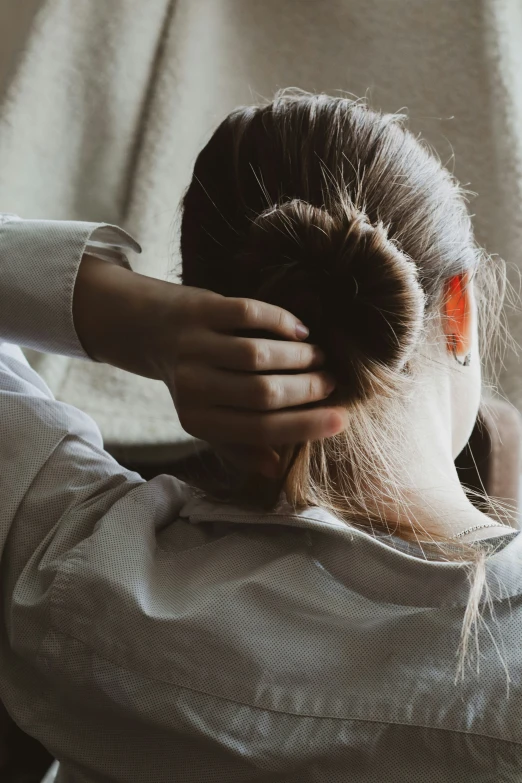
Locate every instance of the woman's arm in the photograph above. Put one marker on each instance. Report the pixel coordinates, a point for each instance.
(39, 262)
(74, 523)
(56, 297)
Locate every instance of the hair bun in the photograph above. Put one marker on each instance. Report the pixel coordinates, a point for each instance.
(352, 287)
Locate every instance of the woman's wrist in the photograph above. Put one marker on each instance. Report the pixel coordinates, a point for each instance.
(114, 310)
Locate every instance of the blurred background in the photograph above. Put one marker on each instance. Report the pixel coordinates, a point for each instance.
(104, 105)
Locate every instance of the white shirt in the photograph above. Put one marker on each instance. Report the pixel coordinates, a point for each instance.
(150, 635)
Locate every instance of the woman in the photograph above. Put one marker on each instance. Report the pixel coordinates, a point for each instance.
(320, 617)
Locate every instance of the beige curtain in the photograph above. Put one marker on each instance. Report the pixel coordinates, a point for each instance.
(105, 104)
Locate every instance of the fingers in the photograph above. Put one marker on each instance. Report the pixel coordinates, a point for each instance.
(262, 429)
(249, 354)
(235, 314)
(202, 386)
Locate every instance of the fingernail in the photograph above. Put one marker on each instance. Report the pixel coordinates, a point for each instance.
(318, 358)
(301, 331)
(336, 424)
(330, 386)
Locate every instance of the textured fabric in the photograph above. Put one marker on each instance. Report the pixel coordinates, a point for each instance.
(137, 87)
(58, 242)
(148, 635)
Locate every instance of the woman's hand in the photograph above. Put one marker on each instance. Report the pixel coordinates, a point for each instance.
(240, 393)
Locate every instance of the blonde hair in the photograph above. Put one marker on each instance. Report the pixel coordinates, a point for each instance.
(339, 214)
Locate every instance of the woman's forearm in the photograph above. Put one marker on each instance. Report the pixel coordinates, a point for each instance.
(115, 313)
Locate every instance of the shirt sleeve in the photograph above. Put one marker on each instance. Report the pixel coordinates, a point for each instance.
(39, 261)
(68, 510)
(56, 480)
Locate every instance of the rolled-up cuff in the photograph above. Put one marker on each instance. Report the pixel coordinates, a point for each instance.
(39, 261)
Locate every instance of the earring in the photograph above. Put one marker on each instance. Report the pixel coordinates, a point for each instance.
(466, 361)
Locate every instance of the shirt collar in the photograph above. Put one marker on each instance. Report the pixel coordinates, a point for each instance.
(391, 574)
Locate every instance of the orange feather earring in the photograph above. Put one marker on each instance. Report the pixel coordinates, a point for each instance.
(458, 313)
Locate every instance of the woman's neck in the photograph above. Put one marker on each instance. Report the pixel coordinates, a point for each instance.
(431, 495)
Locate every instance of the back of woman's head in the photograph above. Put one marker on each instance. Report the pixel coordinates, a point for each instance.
(336, 213)
(340, 215)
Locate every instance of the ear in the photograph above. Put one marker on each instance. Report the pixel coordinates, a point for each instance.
(457, 312)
